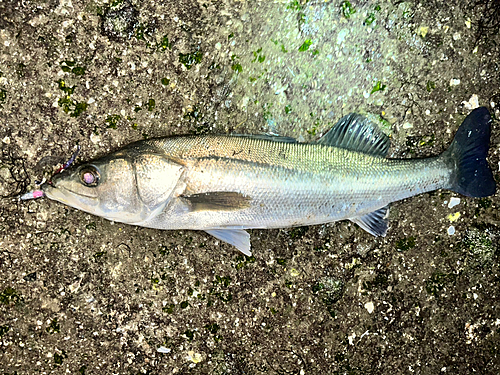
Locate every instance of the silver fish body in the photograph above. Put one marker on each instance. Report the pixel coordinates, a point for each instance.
(288, 184)
(225, 184)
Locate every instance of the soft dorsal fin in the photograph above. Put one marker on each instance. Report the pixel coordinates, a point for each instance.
(356, 133)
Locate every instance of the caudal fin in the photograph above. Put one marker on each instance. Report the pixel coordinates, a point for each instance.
(467, 153)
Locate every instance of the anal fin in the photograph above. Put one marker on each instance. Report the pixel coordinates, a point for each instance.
(239, 238)
(375, 222)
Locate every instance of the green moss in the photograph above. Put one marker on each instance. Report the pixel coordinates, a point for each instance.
(4, 329)
(59, 358)
(314, 129)
(21, 70)
(243, 261)
(329, 290)
(283, 49)
(288, 109)
(317, 287)
(298, 232)
(237, 67)
(438, 281)
(189, 334)
(91, 226)
(281, 262)
(427, 140)
(430, 86)
(479, 247)
(379, 282)
(484, 203)
(3, 95)
(69, 67)
(218, 290)
(9, 295)
(78, 70)
(75, 108)
(165, 81)
(112, 121)
(305, 46)
(82, 369)
(53, 327)
(67, 89)
(212, 328)
(164, 44)
(378, 87)
(404, 244)
(225, 280)
(184, 304)
(347, 9)
(151, 105)
(68, 105)
(169, 308)
(294, 5)
(164, 250)
(258, 57)
(190, 59)
(99, 254)
(370, 19)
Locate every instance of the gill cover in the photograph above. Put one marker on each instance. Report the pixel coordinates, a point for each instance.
(156, 178)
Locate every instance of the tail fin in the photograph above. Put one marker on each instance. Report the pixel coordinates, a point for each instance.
(467, 153)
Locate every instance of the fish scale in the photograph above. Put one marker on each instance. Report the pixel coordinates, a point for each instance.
(303, 183)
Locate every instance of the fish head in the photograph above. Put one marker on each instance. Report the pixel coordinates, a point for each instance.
(105, 187)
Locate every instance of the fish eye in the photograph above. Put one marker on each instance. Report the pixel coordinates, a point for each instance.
(89, 176)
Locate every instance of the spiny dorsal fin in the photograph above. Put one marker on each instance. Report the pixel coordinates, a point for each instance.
(356, 133)
(375, 222)
(217, 201)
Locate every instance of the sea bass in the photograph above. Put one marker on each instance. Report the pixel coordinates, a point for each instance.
(226, 184)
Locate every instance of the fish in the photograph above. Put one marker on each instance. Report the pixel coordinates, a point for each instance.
(226, 184)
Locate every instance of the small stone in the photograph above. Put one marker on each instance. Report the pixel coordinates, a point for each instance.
(369, 307)
(453, 202)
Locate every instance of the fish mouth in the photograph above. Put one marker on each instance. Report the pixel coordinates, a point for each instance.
(64, 194)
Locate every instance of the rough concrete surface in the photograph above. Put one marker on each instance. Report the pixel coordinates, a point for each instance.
(82, 295)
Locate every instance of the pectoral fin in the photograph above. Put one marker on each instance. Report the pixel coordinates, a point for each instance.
(239, 238)
(217, 201)
(375, 222)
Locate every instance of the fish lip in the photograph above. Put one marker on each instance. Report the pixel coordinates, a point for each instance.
(79, 194)
(63, 190)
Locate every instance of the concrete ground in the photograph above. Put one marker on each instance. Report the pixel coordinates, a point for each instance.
(80, 294)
